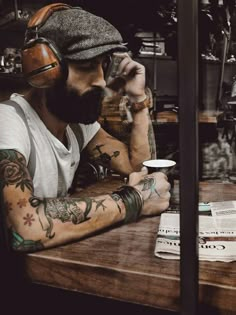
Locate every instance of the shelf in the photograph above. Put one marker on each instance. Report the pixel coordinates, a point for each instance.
(161, 57)
(209, 117)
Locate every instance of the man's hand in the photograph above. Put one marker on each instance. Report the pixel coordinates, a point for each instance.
(134, 75)
(155, 190)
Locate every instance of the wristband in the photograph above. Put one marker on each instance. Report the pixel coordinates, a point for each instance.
(137, 106)
(132, 200)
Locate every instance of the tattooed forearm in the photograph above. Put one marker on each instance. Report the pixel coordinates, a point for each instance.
(65, 210)
(22, 203)
(28, 219)
(116, 198)
(8, 207)
(151, 140)
(18, 243)
(13, 170)
(68, 211)
(99, 203)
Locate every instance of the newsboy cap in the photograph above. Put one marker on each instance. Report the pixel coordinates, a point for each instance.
(81, 35)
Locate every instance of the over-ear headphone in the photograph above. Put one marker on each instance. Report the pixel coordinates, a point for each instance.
(42, 63)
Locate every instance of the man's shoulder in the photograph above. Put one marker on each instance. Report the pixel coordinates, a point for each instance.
(13, 102)
(10, 109)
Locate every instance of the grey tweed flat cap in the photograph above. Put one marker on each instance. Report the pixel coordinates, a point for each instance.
(81, 35)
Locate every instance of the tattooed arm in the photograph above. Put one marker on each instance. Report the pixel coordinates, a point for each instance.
(35, 223)
(108, 151)
(142, 140)
(112, 153)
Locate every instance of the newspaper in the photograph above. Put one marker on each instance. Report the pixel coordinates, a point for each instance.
(216, 237)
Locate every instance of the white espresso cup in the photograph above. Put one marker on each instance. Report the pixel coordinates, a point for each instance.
(159, 165)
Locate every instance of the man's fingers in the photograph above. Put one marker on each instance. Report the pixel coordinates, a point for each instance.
(144, 170)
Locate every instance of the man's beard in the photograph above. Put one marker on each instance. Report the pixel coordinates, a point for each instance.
(68, 106)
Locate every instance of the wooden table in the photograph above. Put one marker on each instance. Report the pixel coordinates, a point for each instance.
(120, 264)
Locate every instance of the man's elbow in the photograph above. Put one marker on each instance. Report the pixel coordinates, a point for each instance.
(20, 243)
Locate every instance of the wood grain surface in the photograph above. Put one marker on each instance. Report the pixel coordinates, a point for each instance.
(119, 263)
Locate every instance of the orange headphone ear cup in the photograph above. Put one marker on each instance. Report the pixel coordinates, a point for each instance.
(42, 63)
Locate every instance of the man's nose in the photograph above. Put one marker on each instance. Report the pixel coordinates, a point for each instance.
(98, 78)
(100, 82)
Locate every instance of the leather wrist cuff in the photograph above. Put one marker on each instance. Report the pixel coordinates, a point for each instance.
(137, 106)
(133, 202)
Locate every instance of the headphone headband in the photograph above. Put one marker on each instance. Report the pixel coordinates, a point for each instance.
(41, 16)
